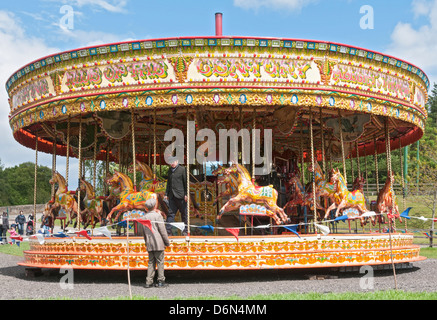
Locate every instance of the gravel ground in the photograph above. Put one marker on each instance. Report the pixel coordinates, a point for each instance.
(187, 284)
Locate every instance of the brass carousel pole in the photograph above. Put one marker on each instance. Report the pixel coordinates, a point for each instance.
(388, 151)
(340, 125)
(313, 178)
(188, 172)
(377, 176)
(404, 206)
(35, 182)
(154, 143)
(53, 163)
(67, 165)
(135, 190)
(68, 152)
(80, 173)
(94, 172)
(323, 142)
(134, 150)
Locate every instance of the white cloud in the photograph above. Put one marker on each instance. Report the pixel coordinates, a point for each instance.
(18, 49)
(418, 45)
(82, 38)
(421, 7)
(288, 5)
(116, 6)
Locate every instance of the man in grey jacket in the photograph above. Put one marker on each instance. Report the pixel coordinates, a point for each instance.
(156, 242)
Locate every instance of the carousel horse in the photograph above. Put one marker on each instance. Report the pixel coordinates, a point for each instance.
(50, 210)
(96, 208)
(299, 196)
(359, 184)
(324, 187)
(230, 182)
(159, 186)
(344, 199)
(129, 199)
(387, 202)
(63, 198)
(113, 193)
(248, 193)
(231, 186)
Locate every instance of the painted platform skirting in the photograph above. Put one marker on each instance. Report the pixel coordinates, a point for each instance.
(226, 253)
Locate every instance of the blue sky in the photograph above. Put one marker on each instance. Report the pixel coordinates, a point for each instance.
(334, 20)
(31, 29)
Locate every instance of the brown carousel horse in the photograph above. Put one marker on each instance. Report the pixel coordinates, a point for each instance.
(52, 212)
(230, 182)
(299, 196)
(359, 184)
(248, 193)
(64, 199)
(95, 208)
(324, 187)
(387, 202)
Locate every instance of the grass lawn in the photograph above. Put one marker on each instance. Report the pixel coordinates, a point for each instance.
(15, 250)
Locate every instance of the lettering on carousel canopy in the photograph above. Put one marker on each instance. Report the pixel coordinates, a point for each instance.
(116, 73)
(372, 80)
(34, 90)
(235, 68)
(83, 78)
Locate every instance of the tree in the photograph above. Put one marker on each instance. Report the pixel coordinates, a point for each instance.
(17, 184)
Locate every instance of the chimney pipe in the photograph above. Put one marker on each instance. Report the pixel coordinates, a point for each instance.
(218, 24)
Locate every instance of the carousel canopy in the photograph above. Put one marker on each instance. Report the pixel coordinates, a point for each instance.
(220, 82)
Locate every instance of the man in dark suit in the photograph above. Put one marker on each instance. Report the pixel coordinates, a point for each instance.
(176, 194)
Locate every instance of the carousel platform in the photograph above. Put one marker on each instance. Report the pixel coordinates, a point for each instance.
(226, 253)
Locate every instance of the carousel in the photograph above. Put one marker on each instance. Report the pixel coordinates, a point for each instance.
(274, 199)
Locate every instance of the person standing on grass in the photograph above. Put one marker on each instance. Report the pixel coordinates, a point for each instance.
(20, 220)
(5, 228)
(156, 240)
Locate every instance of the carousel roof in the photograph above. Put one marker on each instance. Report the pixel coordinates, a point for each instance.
(220, 82)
